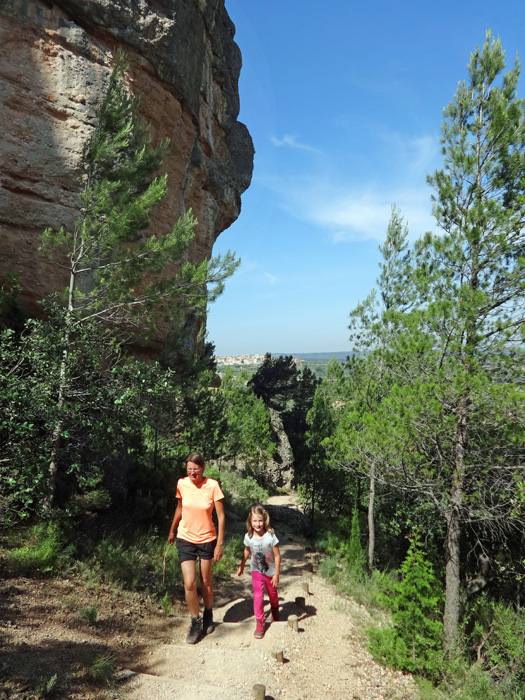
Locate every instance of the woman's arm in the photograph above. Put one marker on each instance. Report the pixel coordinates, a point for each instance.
(277, 557)
(176, 520)
(219, 509)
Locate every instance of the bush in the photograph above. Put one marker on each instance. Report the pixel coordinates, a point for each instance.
(42, 552)
(414, 642)
(463, 683)
(242, 493)
(137, 563)
(497, 633)
(232, 553)
(354, 554)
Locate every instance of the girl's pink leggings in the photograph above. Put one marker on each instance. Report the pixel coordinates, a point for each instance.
(259, 581)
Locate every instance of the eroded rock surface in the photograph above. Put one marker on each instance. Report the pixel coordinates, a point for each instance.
(55, 59)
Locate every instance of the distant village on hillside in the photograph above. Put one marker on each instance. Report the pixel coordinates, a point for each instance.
(239, 360)
(223, 360)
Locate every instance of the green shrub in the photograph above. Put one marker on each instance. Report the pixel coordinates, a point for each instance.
(354, 554)
(242, 493)
(463, 683)
(232, 553)
(135, 563)
(497, 633)
(165, 604)
(329, 568)
(89, 614)
(414, 642)
(102, 670)
(42, 551)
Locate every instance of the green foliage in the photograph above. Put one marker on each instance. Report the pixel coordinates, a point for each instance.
(134, 562)
(355, 555)
(414, 643)
(165, 604)
(247, 434)
(121, 282)
(89, 614)
(45, 687)
(242, 493)
(329, 568)
(275, 381)
(496, 633)
(232, 552)
(102, 670)
(432, 412)
(42, 550)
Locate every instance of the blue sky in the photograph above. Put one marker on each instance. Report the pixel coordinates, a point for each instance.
(344, 102)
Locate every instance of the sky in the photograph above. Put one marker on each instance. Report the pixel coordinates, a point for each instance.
(344, 102)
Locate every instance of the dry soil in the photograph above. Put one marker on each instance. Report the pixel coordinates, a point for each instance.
(41, 634)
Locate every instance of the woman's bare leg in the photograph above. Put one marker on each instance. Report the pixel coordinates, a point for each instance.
(189, 574)
(206, 581)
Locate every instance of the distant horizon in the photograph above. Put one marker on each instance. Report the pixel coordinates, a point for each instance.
(322, 353)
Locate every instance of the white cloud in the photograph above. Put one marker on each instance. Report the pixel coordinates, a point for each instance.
(360, 214)
(291, 141)
(271, 278)
(350, 209)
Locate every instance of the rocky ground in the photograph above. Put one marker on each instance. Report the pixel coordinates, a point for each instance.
(42, 634)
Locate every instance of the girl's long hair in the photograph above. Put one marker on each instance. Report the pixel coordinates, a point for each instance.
(258, 510)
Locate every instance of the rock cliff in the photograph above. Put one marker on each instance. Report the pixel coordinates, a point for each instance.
(55, 58)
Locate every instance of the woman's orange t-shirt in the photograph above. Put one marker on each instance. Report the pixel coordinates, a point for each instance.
(197, 505)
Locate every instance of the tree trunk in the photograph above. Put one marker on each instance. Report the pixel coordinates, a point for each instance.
(371, 525)
(452, 580)
(454, 519)
(57, 432)
(62, 382)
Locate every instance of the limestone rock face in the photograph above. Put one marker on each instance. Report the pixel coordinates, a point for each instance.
(55, 59)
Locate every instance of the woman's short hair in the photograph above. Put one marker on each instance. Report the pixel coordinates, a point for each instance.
(196, 458)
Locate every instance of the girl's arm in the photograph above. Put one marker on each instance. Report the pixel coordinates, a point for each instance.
(219, 509)
(245, 556)
(176, 520)
(277, 557)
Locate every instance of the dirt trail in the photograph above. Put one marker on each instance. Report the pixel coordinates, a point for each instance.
(42, 633)
(324, 659)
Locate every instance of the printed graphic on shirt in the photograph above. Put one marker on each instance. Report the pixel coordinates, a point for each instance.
(262, 557)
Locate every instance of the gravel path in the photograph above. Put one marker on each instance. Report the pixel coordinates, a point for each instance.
(324, 659)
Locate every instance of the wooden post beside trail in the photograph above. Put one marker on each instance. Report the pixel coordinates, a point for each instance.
(293, 622)
(259, 691)
(305, 586)
(278, 655)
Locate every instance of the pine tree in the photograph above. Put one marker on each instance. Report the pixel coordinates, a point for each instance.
(117, 277)
(414, 643)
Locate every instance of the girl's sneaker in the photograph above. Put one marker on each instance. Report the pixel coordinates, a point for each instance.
(259, 630)
(275, 613)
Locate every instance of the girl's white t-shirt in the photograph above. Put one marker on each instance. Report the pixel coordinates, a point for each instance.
(262, 558)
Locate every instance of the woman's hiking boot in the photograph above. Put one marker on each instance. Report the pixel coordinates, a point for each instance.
(259, 630)
(195, 631)
(275, 613)
(207, 621)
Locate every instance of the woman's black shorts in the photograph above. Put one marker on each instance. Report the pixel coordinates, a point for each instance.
(189, 551)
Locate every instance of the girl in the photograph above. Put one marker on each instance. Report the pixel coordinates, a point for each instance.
(261, 545)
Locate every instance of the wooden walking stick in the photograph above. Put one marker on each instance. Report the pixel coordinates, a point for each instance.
(164, 563)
